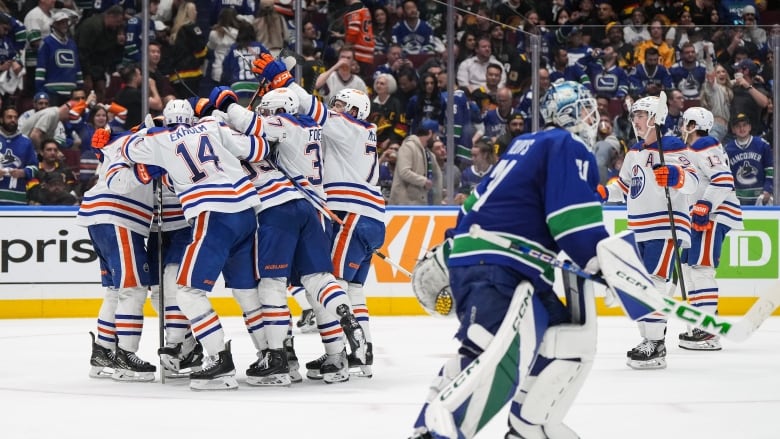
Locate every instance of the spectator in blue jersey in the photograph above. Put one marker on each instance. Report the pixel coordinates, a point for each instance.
(606, 76)
(18, 160)
(245, 9)
(89, 161)
(675, 102)
(483, 157)
(495, 120)
(136, 35)
(58, 71)
(237, 67)
(10, 61)
(413, 34)
(650, 77)
(688, 74)
(752, 164)
(526, 102)
(427, 104)
(560, 69)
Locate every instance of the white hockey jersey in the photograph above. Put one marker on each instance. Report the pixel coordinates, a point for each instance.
(202, 162)
(128, 206)
(648, 214)
(716, 182)
(351, 166)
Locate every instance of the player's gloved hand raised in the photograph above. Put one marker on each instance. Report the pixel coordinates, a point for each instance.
(101, 137)
(221, 97)
(669, 175)
(272, 70)
(147, 173)
(700, 216)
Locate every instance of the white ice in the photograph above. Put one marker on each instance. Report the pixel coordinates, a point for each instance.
(45, 392)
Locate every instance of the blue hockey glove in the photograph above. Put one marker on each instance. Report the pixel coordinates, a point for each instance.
(671, 176)
(147, 173)
(221, 97)
(700, 216)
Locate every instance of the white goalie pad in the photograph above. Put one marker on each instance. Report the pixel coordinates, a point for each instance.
(431, 281)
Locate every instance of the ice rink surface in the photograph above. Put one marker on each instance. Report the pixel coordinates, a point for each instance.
(45, 392)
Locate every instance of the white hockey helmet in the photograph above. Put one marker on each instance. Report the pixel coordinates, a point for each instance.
(701, 117)
(656, 113)
(570, 105)
(278, 99)
(354, 99)
(178, 111)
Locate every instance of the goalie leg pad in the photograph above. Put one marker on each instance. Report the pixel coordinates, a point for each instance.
(566, 355)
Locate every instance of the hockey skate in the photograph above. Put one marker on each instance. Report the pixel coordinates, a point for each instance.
(698, 340)
(131, 368)
(353, 332)
(177, 364)
(307, 323)
(649, 354)
(218, 373)
(357, 368)
(329, 368)
(102, 361)
(292, 360)
(271, 370)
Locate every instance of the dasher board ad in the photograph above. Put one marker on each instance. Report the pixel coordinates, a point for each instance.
(44, 255)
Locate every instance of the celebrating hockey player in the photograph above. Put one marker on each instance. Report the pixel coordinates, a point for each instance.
(541, 195)
(202, 166)
(715, 211)
(642, 181)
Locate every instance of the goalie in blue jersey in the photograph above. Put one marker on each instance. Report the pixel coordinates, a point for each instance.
(540, 195)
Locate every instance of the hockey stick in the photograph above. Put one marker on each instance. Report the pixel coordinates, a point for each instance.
(669, 210)
(160, 268)
(323, 209)
(637, 294)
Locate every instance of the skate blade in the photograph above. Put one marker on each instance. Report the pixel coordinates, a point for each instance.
(101, 372)
(337, 377)
(219, 383)
(129, 376)
(277, 380)
(658, 363)
(361, 371)
(313, 375)
(707, 345)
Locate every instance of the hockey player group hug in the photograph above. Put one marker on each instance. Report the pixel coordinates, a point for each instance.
(284, 194)
(519, 342)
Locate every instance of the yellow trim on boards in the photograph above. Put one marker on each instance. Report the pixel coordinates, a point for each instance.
(226, 306)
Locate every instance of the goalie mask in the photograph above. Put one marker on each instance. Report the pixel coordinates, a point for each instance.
(431, 281)
(571, 106)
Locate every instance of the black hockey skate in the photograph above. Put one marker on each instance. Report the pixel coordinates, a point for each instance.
(698, 340)
(131, 368)
(218, 373)
(177, 364)
(307, 323)
(329, 368)
(353, 331)
(292, 360)
(271, 370)
(649, 354)
(357, 368)
(102, 361)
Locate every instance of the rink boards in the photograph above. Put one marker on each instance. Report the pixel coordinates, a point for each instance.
(48, 267)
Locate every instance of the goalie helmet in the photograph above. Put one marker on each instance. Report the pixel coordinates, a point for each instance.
(571, 106)
(354, 99)
(178, 111)
(431, 281)
(280, 100)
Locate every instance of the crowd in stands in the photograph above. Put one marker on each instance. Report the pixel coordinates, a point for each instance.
(67, 67)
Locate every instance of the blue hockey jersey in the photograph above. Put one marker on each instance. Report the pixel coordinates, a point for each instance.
(541, 194)
(16, 152)
(753, 167)
(58, 70)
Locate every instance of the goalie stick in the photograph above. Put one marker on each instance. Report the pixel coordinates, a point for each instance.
(637, 293)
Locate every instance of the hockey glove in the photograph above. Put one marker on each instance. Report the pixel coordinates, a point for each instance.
(101, 138)
(76, 110)
(672, 176)
(603, 193)
(221, 97)
(272, 70)
(147, 173)
(700, 216)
